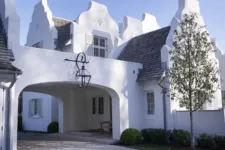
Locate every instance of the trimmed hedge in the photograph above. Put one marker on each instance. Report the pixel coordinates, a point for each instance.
(205, 141)
(180, 138)
(53, 127)
(155, 136)
(20, 123)
(219, 142)
(131, 136)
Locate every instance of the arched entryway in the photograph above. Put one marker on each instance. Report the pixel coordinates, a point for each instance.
(78, 109)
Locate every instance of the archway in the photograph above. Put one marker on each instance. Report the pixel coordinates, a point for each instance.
(79, 109)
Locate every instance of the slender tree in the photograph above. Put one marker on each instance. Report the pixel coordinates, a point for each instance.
(194, 74)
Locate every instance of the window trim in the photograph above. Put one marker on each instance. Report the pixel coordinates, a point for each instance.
(146, 103)
(105, 48)
(35, 116)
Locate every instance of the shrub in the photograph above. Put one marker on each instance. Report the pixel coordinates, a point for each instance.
(205, 141)
(130, 137)
(53, 127)
(180, 138)
(20, 123)
(155, 136)
(219, 142)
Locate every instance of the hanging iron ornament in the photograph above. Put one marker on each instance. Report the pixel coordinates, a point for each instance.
(82, 72)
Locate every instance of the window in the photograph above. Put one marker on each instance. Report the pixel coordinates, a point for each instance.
(223, 98)
(35, 108)
(37, 45)
(150, 103)
(101, 105)
(93, 106)
(100, 46)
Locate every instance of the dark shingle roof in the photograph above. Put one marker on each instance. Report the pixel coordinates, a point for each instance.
(146, 49)
(6, 55)
(63, 27)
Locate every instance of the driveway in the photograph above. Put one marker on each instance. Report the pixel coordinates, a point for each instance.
(31, 141)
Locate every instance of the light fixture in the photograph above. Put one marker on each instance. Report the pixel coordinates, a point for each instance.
(82, 73)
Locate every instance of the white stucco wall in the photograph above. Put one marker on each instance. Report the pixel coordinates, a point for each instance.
(209, 122)
(95, 21)
(149, 23)
(37, 124)
(115, 75)
(156, 120)
(42, 27)
(221, 57)
(2, 114)
(55, 109)
(131, 27)
(94, 120)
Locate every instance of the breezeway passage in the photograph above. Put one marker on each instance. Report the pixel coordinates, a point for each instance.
(61, 141)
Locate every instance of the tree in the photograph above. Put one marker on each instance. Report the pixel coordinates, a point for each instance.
(194, 74)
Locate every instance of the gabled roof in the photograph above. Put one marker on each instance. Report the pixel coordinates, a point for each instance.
(6, 55)
(146, 49)
(63, 27)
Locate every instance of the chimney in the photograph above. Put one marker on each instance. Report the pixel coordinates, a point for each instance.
(186, 6)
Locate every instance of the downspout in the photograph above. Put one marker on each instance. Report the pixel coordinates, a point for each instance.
(164, 106)
(7, 109)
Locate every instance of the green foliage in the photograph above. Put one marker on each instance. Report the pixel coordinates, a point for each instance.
(194, 75)
(219, 142)
(53, 127)
(20, 123)
(131, 136)
(205, 141)
(155, 136)
(180, 138)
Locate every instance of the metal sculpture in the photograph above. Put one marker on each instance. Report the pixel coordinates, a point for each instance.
(82, 72)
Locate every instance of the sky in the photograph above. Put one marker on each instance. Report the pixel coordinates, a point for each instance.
(212, 11)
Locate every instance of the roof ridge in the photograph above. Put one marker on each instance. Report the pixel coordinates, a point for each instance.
(62, 19)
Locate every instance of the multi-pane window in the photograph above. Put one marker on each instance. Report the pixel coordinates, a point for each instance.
(37, 45)
(35, 107)
(223, 98)
(101, 105)
(150, 103)
(100, 46)
(98, 106)
(93, 106)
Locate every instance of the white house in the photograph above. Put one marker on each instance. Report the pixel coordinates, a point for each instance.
(125, 62)
(95, 33)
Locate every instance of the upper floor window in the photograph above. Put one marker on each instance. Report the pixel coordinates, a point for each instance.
(37, 45)
(223, 98)
(35, 108)
(100, 46)
(150, 103)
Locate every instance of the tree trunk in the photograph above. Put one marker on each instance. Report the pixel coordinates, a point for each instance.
(192, 133)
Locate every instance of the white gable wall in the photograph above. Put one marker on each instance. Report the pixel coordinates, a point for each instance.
(95, 21)
(42, 27)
